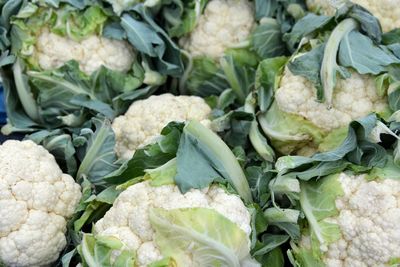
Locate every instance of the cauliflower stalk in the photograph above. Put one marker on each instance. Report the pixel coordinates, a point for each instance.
(351, 221)
(311, 113)
(36, 200)
(144, 120)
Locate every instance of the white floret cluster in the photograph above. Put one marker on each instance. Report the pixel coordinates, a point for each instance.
(353, 98)
(368, 219)
(145, 119)
(387, 11)
(53, 51)
(36, 198)
(128, 219)
(223, 24)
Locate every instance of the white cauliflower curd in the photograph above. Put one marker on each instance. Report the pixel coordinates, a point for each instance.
(387, 11)
(353, 221)
(145, 119)
(128, 219)
(353, 98)
(368, 219)
(223, 24)
(36, 199)
(53, 51)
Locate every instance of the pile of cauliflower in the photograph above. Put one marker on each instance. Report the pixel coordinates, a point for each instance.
(36, 200)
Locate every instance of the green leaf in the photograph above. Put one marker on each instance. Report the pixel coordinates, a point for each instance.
(359, 52)
(199, 228)
(149, 157)
(317, 199)
(203, 157)
(274, 258)
(266, 79)
(239, 78)
(98, 150)
(308, 25)
(163, 175)
(269, 243)
(309, 65)
(267, 39)
(98, 251)
(142, 36)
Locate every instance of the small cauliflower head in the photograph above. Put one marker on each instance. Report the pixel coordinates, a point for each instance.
(130, 218)
(145, 119)
(223, 24)
(53, 51)
(36, 199)
(353, 98)
(363, 228)
(387, 11)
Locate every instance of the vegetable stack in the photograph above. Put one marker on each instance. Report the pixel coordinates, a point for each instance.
(233, 133)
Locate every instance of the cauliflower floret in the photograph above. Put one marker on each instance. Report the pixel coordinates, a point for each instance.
(223, 24)
(145, 119)
(131, 211)
(387, 11)
(368, 219)
(353, 98)
(53, 51)
(36, 198)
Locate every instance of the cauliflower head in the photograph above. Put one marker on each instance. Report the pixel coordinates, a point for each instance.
(53, 51)
(297, 123)
(359, 224)
(387, 11)
(36, 199)
(223, 24)
(145, 119)
(353, 98)
(130, 217)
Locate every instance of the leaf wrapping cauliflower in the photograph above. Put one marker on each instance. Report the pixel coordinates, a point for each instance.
(353, 98)
(352, 221)
(129, 218)
(145, 119)
(53, 51)
(223, 24)
(387, 11)
(36, 199)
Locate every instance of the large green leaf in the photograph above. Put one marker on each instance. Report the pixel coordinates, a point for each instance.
(202, 158)
(213, 239)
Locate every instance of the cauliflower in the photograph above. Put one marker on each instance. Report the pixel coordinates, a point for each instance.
(145, 119)
(359, 224)
(220, 27)
(53, 51)
(129, 221)
(387, 11)
(353, 98)
(36, 199)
